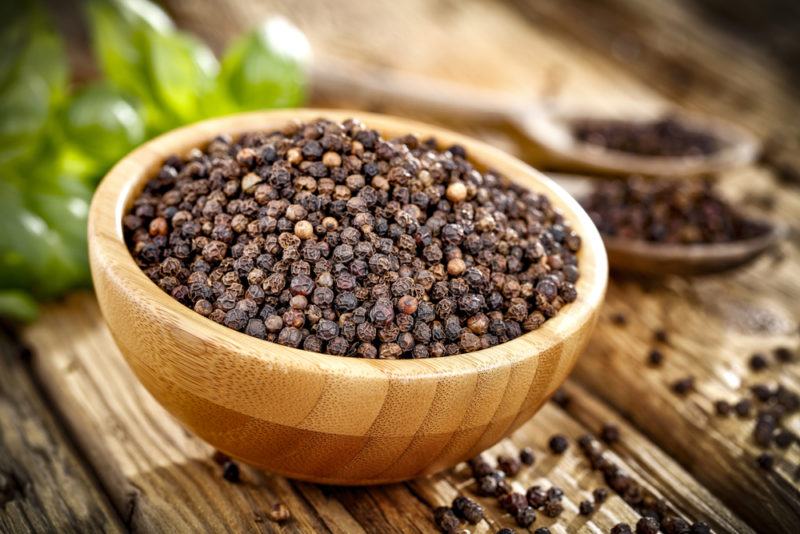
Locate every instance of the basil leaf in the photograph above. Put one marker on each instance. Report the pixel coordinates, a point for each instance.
(182, 72)
(267, 67)
(18, 306)
(102, 124)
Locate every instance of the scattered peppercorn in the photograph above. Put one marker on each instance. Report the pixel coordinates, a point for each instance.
(562, 398)
(621, 528)
(600, 495)
(230, 471)
(506, 530)
(609, 433)
(273, 232)
(743, 408)
(279, 513)
(467, 509)
(526, 456)
(542, 530)
(446, 520)
(553, 508)
(722, 407)
(683, 386)
(508, 464)
(783, 354)
(758, 362)
(765, 461)
(700, 527)
(655, 357)
(586, 507)
(647, 525)
(784, 439)
(673, 524)
(525, 516)
(558, 444)
(619, 319)
(660, 336)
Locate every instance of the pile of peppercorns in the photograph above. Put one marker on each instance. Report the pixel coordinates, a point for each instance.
(326, 237)
(667, 211)
(667, 136)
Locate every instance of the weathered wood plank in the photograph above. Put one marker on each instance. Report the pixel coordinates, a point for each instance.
(158, 475)
(161, 477)
(44, 485)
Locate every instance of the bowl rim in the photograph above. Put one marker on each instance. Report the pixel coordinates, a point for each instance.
(109, 252)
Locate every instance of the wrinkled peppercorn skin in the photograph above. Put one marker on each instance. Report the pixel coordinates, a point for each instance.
(275, 232)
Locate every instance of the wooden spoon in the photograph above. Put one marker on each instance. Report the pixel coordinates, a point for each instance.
(648, 258)
(545, 124)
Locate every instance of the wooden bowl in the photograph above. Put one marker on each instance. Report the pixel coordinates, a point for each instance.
(317, 417)
(551, 128)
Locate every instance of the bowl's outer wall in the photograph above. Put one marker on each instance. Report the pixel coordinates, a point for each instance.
(326, 418)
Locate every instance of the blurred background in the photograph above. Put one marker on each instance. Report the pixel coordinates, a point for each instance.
(82, 83)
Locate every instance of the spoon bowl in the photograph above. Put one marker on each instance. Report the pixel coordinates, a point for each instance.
(650, 258)
(551, 128)
(317, 417)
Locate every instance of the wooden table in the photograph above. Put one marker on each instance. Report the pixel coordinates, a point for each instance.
(84, 448)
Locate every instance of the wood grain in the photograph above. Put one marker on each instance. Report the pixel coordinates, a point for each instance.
(312, 416)
(161, 477)
(44, 486)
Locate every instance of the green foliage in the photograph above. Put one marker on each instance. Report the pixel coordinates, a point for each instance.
(54, 146)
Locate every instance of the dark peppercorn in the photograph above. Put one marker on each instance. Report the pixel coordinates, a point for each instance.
(525, 516)
(536, 496)
(647, 525)
(562, 398)
(621, 528)
(508, 464)
(700, 528)
(609, 433)
(553, 508)
(765, 461)
(722, 407)
(506, 530)
(513, 502)
(445, 519)
(660, 336)
(758, 362)
(467, 509)
(674, 525)
(303, 235)
(619, 319)
(784, 439)
(230, 471)
(683, 386)
(655, 357)
(542, 530)
(558, 444)
(783, 354)
(526, 456)
(743, 407)
(600, 495)
(586, 507)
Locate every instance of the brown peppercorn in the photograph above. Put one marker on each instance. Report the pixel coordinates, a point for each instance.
(407, 304)
(508, 464)
(609, 433)
(446, 520)
(331, 159)
(158, 226)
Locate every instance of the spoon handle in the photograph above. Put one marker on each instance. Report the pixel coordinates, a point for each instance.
(377, 87)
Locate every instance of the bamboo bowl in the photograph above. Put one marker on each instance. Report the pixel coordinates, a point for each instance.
(317, 417)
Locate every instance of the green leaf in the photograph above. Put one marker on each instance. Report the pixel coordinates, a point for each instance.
(182, 72)
(33, 256)
(102, 124)
(120, 30)
(18, 306)
(267, 67)
(24, 107)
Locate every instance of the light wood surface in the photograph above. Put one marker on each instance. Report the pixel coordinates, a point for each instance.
(162, 479)
(319, 417)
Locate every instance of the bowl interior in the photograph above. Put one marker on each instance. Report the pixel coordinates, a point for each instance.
(119, 189)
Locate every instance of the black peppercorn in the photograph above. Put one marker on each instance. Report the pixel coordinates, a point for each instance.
(647, 525)
(558, 444)
(467, 509)
(230, 471)
(526, 456)
(621, 528)
(446, 520)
